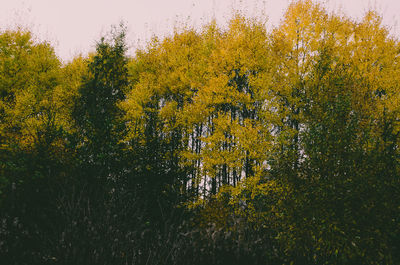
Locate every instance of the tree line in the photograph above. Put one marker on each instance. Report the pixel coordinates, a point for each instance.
(218, 145)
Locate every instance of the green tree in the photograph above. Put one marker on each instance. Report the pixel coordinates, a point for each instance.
(96, 112)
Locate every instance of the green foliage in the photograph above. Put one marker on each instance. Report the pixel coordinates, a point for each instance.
(96, 110)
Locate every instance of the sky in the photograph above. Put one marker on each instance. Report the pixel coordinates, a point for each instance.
(73, 26)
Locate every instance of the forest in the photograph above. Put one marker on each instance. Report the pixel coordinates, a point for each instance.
(212, 145)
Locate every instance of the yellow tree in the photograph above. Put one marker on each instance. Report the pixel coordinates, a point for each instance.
(164, 78)
(296, 44)
(66, 93)
(334, 88)
(209, 88)
(29, 72)
(234, 104)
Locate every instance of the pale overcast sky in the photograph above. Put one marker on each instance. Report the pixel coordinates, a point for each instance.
(73, 26)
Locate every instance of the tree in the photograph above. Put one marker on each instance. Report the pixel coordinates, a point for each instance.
(96, 111)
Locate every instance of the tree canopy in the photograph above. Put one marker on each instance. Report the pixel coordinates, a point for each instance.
(213, 145)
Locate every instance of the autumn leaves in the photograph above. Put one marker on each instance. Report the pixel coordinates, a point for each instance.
(240, 96)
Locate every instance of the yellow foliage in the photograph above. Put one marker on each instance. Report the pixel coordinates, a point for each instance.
(29, 72)
(237, 95)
